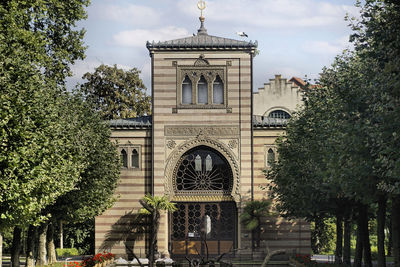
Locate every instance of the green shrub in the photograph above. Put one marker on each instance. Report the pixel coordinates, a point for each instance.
(67, 252)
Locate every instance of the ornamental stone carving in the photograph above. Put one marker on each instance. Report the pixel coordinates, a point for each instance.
(201, 61)
(176, 155)
(171, 144)
(232, 144)
(210, 74)
(224, 131)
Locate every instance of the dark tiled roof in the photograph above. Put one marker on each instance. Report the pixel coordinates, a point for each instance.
(202, 41)
(143, 122)
(267, 122)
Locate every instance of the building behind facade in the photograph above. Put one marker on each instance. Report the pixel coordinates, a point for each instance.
(205, 147)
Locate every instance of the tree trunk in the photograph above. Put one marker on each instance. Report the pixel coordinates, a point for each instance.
(390, 239)
(339, 238)
(381, 230)
(365, 237)
(396, 229)
(61, 235)
(153, 246)
(51, 248)
(359, 243)
(16, 247)
(347, 240)
(1, 249)
(42, 257)
(30, 246)
(253, 239)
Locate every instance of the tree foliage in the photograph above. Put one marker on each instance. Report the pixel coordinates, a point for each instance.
(347, 135)
(116, 93)
(39, 160)
(93, 193)
(253, 211)
(251, 217)
(50, 142)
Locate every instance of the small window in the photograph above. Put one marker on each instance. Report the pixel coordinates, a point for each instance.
(208, 163)
(202, 91)
(279, 114)
(187, 91)
(124, 158)
(135, 158)
(218, 91)
(270, 157)
(197, 163)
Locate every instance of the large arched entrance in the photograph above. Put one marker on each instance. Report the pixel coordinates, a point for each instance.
(203, 227)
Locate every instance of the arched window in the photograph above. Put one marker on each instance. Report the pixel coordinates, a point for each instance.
(135, 158)
(203, 169)
(270, 157)
(279, 114)
(202, 91)
(187, 91)
(124, 158)
(218, 91)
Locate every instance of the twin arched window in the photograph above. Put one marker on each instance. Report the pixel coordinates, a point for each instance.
(134, 154)
(202, 91)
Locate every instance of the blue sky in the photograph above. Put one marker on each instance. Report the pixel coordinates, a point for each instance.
(295, 37)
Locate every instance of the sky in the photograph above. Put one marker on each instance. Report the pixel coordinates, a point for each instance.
(295, 37)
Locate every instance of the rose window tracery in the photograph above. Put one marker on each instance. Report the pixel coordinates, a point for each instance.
(203, 169)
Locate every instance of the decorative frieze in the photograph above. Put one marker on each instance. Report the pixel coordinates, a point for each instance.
(174, 130)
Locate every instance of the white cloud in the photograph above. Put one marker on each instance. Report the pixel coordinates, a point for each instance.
(327, 48)
(128, 14)
(137, 38)
(273, 14)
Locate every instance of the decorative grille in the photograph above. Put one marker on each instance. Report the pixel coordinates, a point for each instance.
(188, 221)
(279, 114)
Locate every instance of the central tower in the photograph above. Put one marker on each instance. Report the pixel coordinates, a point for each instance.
(202, 138)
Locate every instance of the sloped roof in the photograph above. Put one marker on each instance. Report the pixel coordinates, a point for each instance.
(202, 41)
(298, 81)
(145, 122)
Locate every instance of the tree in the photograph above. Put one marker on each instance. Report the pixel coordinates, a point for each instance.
(376, 40)
(360, 143)
(153, 205)
(301, 182)
(38, 42)
(94, 192)
(116, 93)
(251, 217)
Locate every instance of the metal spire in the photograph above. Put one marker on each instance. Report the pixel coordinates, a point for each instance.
(201, 5)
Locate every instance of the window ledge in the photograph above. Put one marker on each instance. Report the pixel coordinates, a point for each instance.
(228, 109)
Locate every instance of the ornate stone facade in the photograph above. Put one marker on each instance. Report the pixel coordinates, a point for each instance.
(230, 147)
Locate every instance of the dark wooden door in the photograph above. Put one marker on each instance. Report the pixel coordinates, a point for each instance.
(188, 235)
